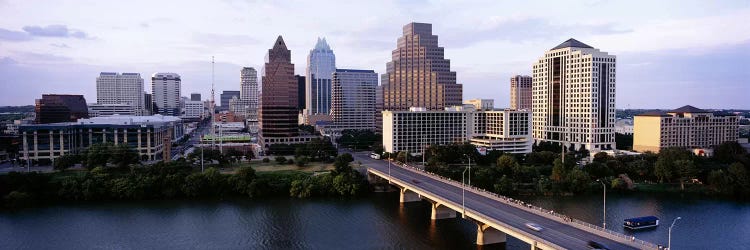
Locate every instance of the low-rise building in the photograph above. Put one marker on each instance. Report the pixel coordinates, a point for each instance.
(686, 127)
(96, 109)
(413, 130)
(482, 104)
(193, 109)
(624, 126)
(150, 136)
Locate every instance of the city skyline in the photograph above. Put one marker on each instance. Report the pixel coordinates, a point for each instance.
(654, 50)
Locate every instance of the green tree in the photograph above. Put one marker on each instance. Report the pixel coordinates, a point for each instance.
(242, 180)
(663, 169)
(280, 159)
(506, 164)
(504, 186)
(341, 163)
(686, 170)
(66, 161)
(558, 171)
(579, 181)
(719, 181)
(728, 152)
(122, 155)
(301, 161)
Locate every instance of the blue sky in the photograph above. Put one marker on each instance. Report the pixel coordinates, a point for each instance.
(670, 53)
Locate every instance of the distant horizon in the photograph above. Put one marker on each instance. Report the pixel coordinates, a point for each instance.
(658, 63)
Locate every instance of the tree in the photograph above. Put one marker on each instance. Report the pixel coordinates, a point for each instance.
(601, 157)
(66, 161)
(402, 156)
(506, 164)
(122, 155)
(301, 161)
(504, 186)
(341, 163)
(558, 171)
(579, 181)
(242, 180)
(728, 151)
(663, 170)
(686, 170)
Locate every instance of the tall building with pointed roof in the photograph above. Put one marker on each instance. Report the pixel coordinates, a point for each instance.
(321, 63)
(418, 74)
(278, 115)
(573, 93)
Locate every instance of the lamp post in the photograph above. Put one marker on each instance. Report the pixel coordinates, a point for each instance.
(389, 169)
(463, 193)
(467, 157)
(604, 202)
(669, 241)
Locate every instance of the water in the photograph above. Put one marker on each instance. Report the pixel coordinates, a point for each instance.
(375, 222)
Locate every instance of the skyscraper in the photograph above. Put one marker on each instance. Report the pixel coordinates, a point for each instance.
(301, 99)
(165, 91)
(125, 88)
(321, 63)
(520, 92)
(353, 98)
(574, 97)
(419, 75)
(278, 111)
(248, 101)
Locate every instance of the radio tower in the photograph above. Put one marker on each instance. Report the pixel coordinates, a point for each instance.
(211, 107)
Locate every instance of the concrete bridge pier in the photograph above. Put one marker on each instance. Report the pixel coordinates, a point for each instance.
(487, 235)
(409, 196)
(441, 212)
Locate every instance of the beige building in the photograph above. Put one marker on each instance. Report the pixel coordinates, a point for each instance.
(413, 130)
(418, 74)
(685, 127)
(573, 91)
(481, 104)
(520, 92)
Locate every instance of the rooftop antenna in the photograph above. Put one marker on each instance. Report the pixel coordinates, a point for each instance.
(211, 106)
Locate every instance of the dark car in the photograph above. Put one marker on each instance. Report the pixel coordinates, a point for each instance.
(415, 181)
(596, 245)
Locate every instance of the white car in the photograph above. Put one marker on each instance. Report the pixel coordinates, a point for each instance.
(534, 226)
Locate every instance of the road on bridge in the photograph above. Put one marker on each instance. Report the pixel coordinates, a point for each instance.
(555, 232)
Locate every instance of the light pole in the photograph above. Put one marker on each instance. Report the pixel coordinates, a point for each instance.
(604, 202)
(389, 169)
(467, 157)
(669, 241)
(463, 193)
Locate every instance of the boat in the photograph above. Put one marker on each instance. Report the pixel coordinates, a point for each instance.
(641, 222)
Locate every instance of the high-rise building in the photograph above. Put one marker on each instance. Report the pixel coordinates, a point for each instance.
(278, 110)
(60, 108)
(148, 100)
(321, 63)
(165, 90)
(125, 88)
(419, 75)
(353, 99)
(227, 95)
(686, 127)
(379, 108)
(193, 109)
(301, 92)
(520, 92)
(247, 104)
(195, 96)
(574, 97)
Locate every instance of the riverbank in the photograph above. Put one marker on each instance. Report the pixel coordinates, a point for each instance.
(176, 180)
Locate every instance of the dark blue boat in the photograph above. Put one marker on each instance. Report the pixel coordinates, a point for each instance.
(641, 222)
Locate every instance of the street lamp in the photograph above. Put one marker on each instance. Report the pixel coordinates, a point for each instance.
(604, 202)
(463, 193)
(669, 241)
(467, 157)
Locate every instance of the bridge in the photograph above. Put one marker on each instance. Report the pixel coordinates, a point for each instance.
(496, 216)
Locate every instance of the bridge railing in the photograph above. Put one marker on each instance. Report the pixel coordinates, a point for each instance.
(626, 239)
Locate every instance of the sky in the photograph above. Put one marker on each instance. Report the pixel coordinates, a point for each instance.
(669, 53)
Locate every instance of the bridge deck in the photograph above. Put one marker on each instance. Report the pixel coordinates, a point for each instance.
(557, 231)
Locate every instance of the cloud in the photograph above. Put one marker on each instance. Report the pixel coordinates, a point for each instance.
(10, 35)
(7, 61)
(523, 29)
(224, 40)
(54, 31)
(60, 45)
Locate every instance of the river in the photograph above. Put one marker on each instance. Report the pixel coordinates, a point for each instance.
(374, 222)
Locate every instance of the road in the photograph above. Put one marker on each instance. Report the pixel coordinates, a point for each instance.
(562, 234)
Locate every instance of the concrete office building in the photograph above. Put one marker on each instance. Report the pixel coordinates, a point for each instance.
(60, 108)
(520, 92)
(249, 93)
(379, 108)
(225, 97)
(96, 110)
(321, 63)
(419, 75)
(481, 104)
(353, 99)
(150, 136)
(126, 88)
(414, 130)
(166, 91)
(574, 97)
(148, 101)
(195, 96)
(686, 127)
(193, 109)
